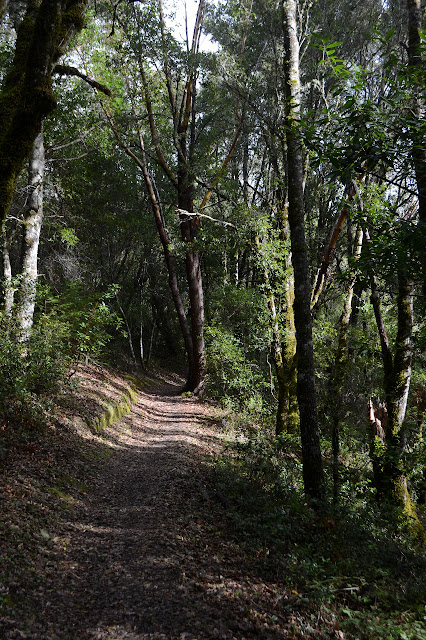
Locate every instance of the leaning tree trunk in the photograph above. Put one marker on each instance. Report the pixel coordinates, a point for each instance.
(156, 207)
(183, 124)
(26, 95)
(32, 227)
(313, 476)
(169, 260)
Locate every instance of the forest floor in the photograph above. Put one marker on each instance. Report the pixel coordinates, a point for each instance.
(122, 534)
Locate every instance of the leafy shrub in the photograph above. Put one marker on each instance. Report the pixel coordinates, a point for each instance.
(70, 328)
(88, 319)
(30, 371)
(232, 377)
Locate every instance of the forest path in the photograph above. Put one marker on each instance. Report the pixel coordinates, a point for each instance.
(142, 557)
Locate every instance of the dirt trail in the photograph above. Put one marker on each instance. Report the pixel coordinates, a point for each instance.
(120, 572)
(144, 552)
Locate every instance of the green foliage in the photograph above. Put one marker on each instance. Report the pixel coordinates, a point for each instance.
(352, 563)
(229, 372)
(69, 328)
(30, 372)
(92, 332)
(88, 320)
(232, 377)
(69, 237)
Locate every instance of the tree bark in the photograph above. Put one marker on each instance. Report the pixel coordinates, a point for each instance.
(306, 389)
(416, 65)
(3, 7)
(287, 420)
(9, 289)
(324, 267)
(340, 366)
(170, 263)
(26, 96)
(183, 125)
(388, 442)
(401, 374)
(189, 226)
(283, 349)
(32, 227)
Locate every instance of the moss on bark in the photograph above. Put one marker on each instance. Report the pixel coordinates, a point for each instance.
(26, 96)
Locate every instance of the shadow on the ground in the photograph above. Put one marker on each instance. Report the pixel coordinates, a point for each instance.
(127, 536)
(133, 539)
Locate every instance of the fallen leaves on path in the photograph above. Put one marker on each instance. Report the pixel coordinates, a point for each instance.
(123, 536)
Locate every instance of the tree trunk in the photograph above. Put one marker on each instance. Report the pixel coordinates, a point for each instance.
(340, 366)
(184, 130)
(189, 226)
(388, 436)
(3, 7)
(26, 96)
(288, 411)
(283, 351)
(170, 263)
(397, 395)
(324, 267)
(280, 368)
(9, 290)
(287, 420)
(162, 231)
(141, 330)
(306, 389)
(397, 388)
(32, 227)
(416, 65)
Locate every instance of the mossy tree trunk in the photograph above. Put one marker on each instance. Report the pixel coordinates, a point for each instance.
(283, 351)
(287, 420)
(340, 367)
(387, 429)
(26, 95)
(306, 388)
(288, 410)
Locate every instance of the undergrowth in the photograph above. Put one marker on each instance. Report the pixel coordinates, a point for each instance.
(355, 562)
(62, 335)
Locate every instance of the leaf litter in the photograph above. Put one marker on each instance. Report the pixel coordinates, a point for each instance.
(122, 535)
